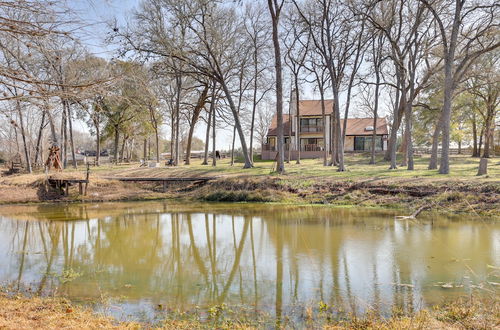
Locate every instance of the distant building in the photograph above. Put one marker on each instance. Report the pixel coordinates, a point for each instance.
(312, 142)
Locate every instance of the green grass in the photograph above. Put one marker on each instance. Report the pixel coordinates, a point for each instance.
(461, 168)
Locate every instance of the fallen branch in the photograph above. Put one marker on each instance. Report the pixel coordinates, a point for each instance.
(414, 214)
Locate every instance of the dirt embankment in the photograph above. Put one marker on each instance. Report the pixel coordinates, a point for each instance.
(450, 196)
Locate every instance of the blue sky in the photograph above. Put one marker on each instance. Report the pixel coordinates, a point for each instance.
(101, 14)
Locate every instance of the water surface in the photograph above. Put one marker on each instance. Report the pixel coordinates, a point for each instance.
(134, 260)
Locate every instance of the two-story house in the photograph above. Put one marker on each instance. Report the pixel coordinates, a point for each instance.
(314, 132)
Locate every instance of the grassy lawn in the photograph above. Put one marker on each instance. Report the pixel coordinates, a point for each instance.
(462, 168)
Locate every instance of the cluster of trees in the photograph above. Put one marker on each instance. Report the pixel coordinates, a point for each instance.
(431, 64)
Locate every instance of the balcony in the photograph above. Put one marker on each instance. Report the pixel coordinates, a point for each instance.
(311, 129)
(311, 147)
(270, 147)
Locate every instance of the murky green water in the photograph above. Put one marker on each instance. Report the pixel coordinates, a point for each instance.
(134, 259)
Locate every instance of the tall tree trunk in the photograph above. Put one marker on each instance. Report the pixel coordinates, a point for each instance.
(145, 149)
(487, 132)
(97, 142)
(214, 156)
(207, 135)
(196, 115)
(178, 80)
(481, 134)
(339, 144)
(237, 123)
(289, 144)
(375, 114)
(172, 135)
(297, 110)
(23, 135)
(71, 142)
(64, 144)
(157, 145)
(275, 9)
(54, 139)
(254, 102)
(125, 138)
(409, 140)
(323, 116)
(232, 147)
(393, 138)
(117, 141)
(475, 151)
(435, 144)
(39, 139)
(355, 67)
(390, 154)
(404, 148)
(449, 86)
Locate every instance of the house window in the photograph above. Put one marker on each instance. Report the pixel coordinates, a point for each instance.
(364, 143)
(311, 144)
(311, 124)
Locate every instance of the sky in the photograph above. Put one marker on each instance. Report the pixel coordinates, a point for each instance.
(101, 14)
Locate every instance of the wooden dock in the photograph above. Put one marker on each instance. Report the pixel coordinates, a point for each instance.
(64, 184)
(164, 180)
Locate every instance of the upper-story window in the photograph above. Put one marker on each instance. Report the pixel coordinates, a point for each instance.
(311, 125)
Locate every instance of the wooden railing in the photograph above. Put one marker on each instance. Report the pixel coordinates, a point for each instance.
(305, 147)
(311, 129)
(311, 147)
(269, 147)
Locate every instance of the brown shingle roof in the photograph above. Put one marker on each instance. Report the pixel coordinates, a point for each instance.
(313, 107)
(355, 126)
(273, 130)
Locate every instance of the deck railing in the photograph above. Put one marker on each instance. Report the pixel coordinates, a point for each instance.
(311, 147)
(304, 147)
(311, 128)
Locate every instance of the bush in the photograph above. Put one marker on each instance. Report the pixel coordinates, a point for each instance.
(237, 196)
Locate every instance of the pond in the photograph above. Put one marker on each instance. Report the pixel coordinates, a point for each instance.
(140, 260)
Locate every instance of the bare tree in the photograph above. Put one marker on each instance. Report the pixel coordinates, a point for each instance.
(296, 52)
(275, 7)
(467, 30)
(256, 27)
(330, 25)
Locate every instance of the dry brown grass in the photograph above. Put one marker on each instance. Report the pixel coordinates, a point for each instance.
(43, 313)
(54, 313)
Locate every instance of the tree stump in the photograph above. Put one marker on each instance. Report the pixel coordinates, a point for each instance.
(483, 166)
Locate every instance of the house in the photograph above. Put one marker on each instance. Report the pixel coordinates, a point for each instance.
(314, 133)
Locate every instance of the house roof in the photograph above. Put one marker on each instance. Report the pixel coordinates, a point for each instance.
(313, 107)
(273, 129)
(355, 126)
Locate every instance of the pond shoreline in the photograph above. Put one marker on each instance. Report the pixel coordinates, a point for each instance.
(56, 312)
(479, 198)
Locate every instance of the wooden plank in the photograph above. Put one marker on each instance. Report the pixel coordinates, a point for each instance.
(171, 179)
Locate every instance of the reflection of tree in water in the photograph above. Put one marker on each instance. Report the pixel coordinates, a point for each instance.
(281, 258)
